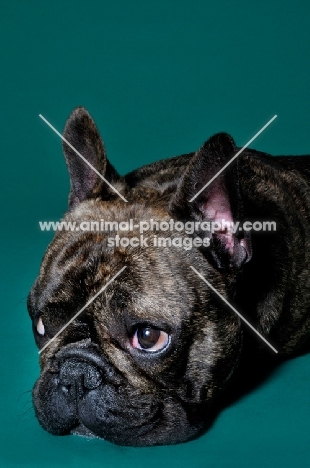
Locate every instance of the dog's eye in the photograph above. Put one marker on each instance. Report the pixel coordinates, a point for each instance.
(150, 339)
(40, 327)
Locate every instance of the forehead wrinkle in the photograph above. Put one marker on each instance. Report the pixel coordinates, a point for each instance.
(92, 210)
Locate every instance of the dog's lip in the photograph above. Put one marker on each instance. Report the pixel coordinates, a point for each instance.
(135, 430)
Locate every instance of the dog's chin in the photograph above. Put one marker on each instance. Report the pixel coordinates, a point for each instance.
(152, 438)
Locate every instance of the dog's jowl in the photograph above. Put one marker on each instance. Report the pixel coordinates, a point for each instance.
(145, 362)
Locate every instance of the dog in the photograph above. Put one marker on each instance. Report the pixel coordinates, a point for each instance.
(146, 360)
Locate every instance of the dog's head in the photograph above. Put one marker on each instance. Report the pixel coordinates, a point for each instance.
(142, 361)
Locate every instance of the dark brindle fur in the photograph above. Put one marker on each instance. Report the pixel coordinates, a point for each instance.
(94, 380)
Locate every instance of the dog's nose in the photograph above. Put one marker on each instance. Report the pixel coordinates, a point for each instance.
(77, 377)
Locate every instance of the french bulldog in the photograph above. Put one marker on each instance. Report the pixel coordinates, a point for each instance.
(145, 362)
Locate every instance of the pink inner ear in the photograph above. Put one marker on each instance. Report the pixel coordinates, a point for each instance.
(218, 209)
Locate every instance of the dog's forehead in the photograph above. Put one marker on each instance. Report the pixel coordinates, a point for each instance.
(154, 278)
(151, 287)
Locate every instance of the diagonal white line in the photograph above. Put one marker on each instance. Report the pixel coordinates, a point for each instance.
(233, 158)
(82, 157)
(83, 308)
(232, 308)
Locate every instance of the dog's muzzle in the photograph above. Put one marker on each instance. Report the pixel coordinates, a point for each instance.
(83, 393)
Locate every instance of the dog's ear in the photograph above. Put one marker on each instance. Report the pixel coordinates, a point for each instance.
(220, 201)
(81, 132)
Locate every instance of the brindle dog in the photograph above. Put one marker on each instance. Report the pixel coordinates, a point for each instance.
(144, 363)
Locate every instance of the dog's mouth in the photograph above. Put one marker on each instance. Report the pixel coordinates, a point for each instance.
(119, 433)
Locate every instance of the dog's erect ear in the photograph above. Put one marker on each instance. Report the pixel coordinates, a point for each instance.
(220, 201)
(81, 132)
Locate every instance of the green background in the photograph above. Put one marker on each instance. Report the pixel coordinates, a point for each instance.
(159, 77)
